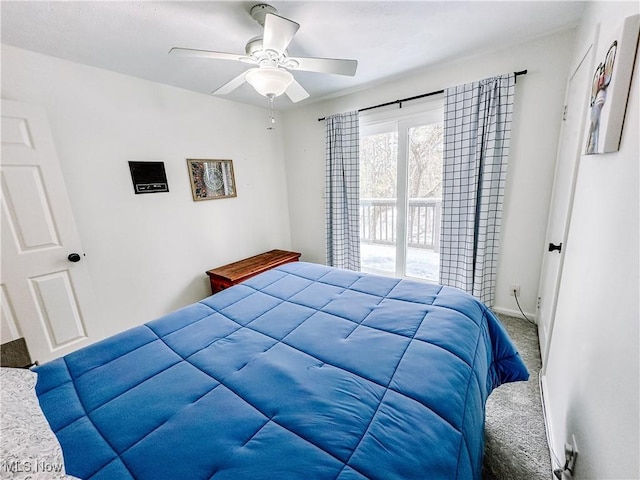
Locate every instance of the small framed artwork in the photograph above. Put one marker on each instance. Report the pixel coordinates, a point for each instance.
(148, 177)
(610, 83)
(211, 179)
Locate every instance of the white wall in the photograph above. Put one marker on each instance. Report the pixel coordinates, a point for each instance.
(147, 254)
(592, 375)
(536, 124)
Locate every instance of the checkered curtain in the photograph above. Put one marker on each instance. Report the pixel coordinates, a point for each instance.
(342, 199)
(477, 126)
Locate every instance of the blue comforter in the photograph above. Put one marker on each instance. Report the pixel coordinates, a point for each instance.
(303, 372)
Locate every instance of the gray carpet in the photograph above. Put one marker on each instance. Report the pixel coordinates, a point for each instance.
(515, 440)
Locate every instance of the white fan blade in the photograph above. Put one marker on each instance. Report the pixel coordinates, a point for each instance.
(325, 65)
(295, 92)
(278, 32)
(191, 52)
(231, 85)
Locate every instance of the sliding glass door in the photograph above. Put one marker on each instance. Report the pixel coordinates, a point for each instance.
(400, 195)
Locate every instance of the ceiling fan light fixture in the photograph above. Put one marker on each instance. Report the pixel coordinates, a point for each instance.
(270, 82)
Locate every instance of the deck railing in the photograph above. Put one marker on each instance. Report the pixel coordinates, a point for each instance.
(378, 218)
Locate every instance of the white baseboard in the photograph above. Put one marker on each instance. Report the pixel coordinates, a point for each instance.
(544, 396)
(514, 313)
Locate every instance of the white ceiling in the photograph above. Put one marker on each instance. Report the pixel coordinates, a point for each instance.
(387, 38)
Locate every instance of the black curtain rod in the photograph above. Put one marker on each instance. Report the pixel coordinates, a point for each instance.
(401, 101)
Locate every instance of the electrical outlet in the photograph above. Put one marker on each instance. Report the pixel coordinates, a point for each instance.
(572, 460)
(514, 290)
(570, 456)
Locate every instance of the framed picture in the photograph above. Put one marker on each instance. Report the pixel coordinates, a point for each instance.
(211, 179)
(148, 177)
(610, 83)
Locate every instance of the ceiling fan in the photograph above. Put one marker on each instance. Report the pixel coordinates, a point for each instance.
(271, 77)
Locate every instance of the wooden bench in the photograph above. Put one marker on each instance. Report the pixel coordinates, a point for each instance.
(234, 273)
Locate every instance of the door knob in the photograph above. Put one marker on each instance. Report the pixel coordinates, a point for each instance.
(74, 257)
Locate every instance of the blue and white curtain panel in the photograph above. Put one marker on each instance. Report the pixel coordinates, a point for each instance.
(342, 190)
(477, 130)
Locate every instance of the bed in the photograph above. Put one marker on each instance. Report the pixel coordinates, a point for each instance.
(304, 371)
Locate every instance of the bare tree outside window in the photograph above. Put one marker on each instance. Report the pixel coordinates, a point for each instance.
(378, 169)
(425, 161)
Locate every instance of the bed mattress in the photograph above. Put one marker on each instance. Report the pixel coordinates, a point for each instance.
(304, 371)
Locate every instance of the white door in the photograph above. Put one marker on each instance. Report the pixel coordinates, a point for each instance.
(46, 296)
(569, 151)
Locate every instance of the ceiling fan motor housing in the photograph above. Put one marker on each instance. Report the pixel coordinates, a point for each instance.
(254, 46)
(270, 58)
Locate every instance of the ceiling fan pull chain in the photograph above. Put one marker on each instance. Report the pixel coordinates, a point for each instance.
(272, 120)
